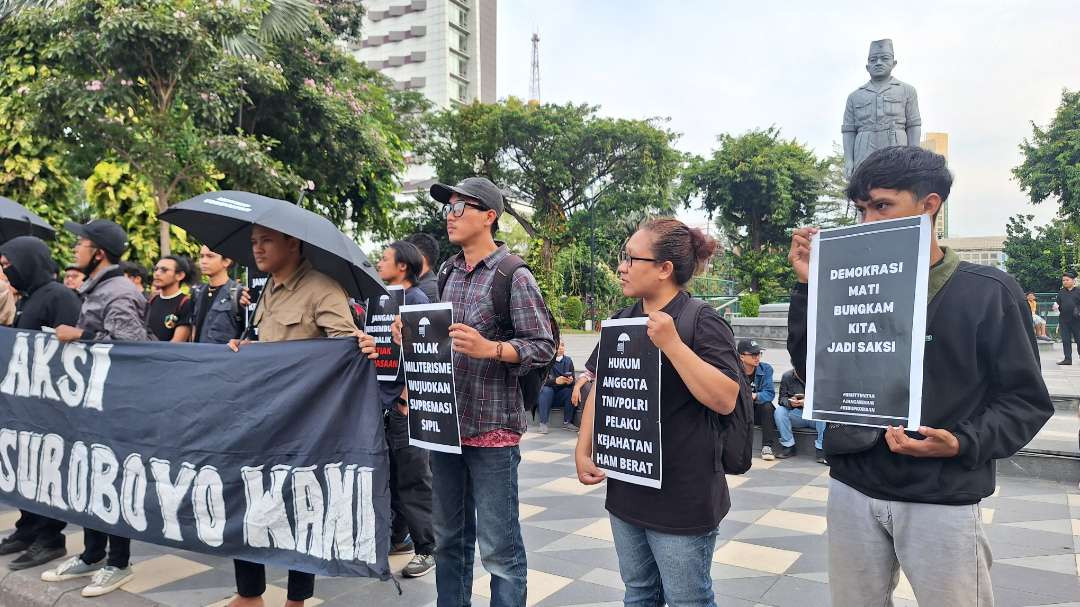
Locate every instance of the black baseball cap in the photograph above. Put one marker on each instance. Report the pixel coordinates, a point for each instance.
(749, 346)
(105, 234)
(479, 189)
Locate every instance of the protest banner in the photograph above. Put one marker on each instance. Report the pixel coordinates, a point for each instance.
(381, 313)
(276, 457)
(429, 376)
(626, 437)
(867, 323)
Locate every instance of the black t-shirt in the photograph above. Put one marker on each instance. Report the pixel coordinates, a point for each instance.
(1068, 305)
(165, 314)
(694, 498)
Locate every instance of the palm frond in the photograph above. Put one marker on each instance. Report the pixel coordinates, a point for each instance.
(286, 19)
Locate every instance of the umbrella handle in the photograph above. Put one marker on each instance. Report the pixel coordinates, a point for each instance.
(248, 329)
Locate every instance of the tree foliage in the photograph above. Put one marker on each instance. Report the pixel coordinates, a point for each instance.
(1038, 256)
(556, 161)
(1051, 165)
(758, 186)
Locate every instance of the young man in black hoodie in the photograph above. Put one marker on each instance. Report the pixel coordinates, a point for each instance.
(910, 498)
(45, 303)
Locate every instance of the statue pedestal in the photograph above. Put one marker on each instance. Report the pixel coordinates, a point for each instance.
(769, 329)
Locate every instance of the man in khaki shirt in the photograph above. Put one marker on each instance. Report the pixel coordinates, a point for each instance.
(298, 302)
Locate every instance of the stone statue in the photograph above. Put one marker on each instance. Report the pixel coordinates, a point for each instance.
(881, 113)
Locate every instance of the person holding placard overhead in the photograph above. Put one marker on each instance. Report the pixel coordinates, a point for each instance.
(665, 537)
(908, 499)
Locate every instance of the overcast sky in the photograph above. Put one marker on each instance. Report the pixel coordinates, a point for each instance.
(983, 70)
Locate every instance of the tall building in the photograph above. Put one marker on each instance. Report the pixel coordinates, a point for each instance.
(444, 49)
(983, 250)
(938, 143)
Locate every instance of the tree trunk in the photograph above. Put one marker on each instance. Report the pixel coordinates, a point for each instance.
(164, 237)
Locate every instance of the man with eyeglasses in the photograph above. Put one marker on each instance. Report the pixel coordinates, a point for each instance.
(112, 310)
(169, 313)
(759, 376)
(475, 494)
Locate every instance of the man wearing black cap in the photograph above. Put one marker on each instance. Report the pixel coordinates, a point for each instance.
(475, 494)
(112, 309)
(759, 376)
(1068, 306)
(28, 266)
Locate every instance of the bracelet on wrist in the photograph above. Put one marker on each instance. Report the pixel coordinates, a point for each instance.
(498, 351)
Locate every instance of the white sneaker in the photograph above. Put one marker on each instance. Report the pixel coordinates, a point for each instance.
(543, 429)
(70, 569)
(767, 454)
(108, 579)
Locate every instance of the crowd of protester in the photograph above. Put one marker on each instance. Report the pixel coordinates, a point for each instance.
(900, 498)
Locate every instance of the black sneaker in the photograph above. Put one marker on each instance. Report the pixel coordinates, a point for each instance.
(12, 545)
(786, 452)
(404, 547)
(1065, 362)
(37, 554)
(821, 457)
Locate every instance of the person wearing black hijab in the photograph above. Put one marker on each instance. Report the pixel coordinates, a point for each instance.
(45, 303)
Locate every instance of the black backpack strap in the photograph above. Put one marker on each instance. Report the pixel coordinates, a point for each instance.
(500, 290)
(444, 275)
(686, 324)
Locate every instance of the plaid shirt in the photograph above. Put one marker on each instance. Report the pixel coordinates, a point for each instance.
(487, 398)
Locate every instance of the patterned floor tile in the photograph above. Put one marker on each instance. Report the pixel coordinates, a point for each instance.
(600, 530)
(805, 523)
(541, 585)
(809, 492)
(543, 457)
(569, 486)
(1064, 563)
(160, 571)
(527, 510)
(604, 577)
(758, 558)
(274, 595)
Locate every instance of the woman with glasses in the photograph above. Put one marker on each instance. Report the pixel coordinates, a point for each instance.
(665, 537)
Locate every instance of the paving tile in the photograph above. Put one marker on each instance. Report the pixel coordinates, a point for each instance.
(720, 571)
(528, 510)
(604, 577)
(274, 595)
(752, 556)
(581, 593)
(1063, 563)
(805, 523)
(544, 457)
(1061, 585)
(750, 589)
(577, 542)
(541, 585)
(8, 519)
(795, 592)
(569, 486)
(600, 530)
(1062, 526)
(810, 492)
(160, 571)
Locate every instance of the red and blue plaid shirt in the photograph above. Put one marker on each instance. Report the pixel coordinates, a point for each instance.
(488, 400)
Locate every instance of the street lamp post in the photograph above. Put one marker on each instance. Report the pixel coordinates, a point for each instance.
(592, 270)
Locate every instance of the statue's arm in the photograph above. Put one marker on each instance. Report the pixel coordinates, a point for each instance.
(849, 129)
(914, 118)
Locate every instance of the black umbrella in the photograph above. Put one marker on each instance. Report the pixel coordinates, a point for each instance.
(17, 220)
(223, 222)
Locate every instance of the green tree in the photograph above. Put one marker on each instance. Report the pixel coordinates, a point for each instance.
(758, 186)
(833, 209)
(1038, 256)
(1051, 165)
(147, 82)
(556, 161)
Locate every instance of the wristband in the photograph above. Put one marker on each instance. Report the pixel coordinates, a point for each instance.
(498, 351)
(401, 401)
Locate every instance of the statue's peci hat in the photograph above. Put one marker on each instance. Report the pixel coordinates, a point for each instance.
(881, 46)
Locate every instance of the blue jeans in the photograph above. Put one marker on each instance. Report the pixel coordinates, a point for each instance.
(786, 419)
(475, 500)
(658, 567)
(551, 397)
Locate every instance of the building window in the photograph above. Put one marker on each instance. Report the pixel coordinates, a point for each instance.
(463, 43)
(463, 68)
(463, 92)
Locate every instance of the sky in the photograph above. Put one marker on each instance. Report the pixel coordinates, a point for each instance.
(984, 70)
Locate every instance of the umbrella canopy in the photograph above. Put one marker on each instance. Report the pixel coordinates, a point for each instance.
(223, 222)
(17, 220)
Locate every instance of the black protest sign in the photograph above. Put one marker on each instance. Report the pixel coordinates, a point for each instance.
(867, 323)
(381, 313)
(429, 375)
(275, 457)
(626, 437)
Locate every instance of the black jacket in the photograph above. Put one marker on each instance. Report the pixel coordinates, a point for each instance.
(790, 385)
(982, 380)
(558, 369)
(45, 302)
